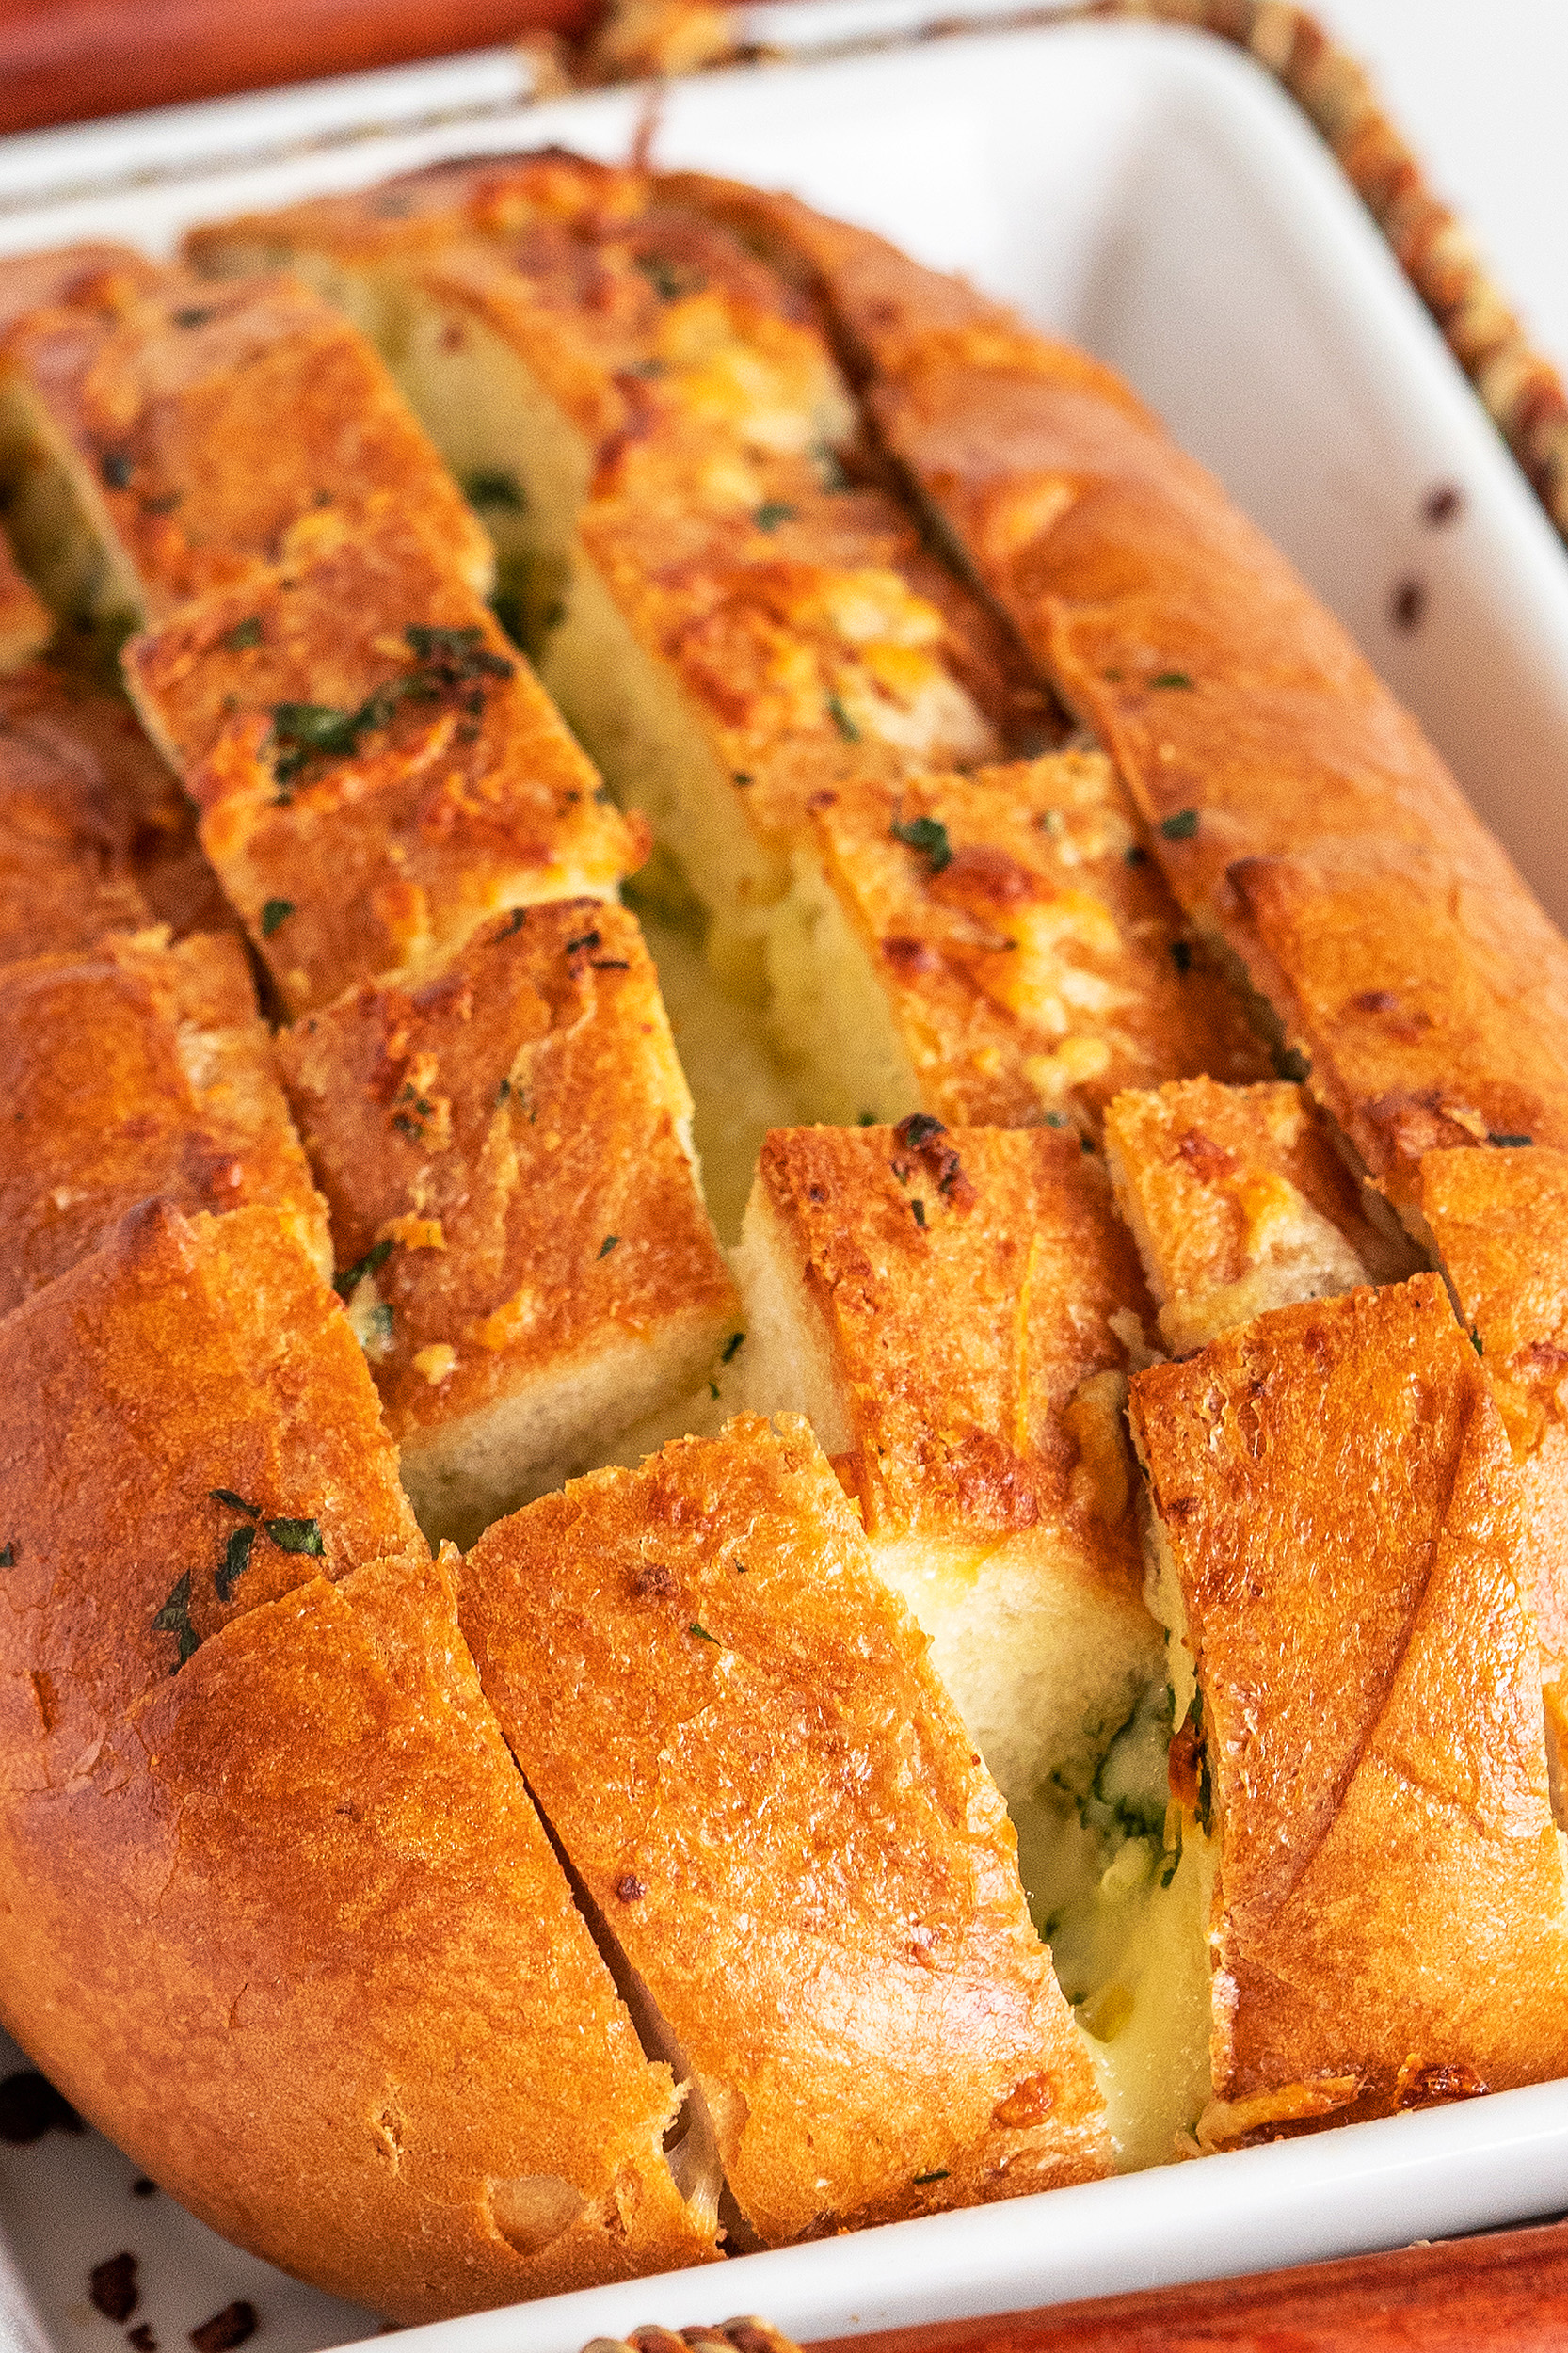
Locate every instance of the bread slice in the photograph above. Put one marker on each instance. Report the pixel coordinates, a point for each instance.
(377, 769)
(136, 1070)
(517, 1212)
(366, 2033)
(1240, 1202)
(1499, 1224)
(956, 1311)
(222, 1442)
(95, 833)
(786, 1832)
(203, 433)
(1346, 1557)
(1302, 819)
(993, 948)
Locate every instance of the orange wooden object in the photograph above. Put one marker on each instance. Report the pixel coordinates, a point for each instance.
(66, 60)
(1461, 2296)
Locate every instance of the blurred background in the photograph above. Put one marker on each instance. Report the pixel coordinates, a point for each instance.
(1477, 85)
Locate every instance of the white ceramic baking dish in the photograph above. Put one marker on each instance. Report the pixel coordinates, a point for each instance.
(1151, 194)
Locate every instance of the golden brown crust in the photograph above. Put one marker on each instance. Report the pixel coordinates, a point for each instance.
(92, 276)
(456, 789)
(75, 765)
(173, 409)
(185, 1356)
(1499, 1222)
(787, 1831)
(140, 1070)
(968, 1277)
(366, 2033)
(1240, 1202)
(1033, 958)
(1297, 809)
(1348, 1528)
(514, 1130)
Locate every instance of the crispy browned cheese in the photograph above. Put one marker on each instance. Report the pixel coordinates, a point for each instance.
(188, 1357)
(1032, 958)
(786, 1830)
(505, 1151)
(1240, 1202)
(76, 770)
(1347, 1529)
(378, 768)
(206, 432)
(1499, 1222)
(1297, 809)
(366, 2033)
(139, 1070)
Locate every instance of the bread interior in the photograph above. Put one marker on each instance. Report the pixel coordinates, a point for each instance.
(57, 523)
(1064, 1690)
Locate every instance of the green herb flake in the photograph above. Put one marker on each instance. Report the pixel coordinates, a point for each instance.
(194, 318)
(277, 911)
(296, 1535)
(773, 512)
(1051, 821)
(7, 1556)
(741, 776)
(1181, 828)
(243, 634)
(929, 836)
(727, 1353)
(842, 720)
(1476, 1341)
(374, 1261)
(381, 1320)
(702, 1634)
(865, 1119)
(1290, 1063)
(117, 469)
(236, 1559)
(1171, 678)
(939, 2175)
(495, 488)
(668, 278)
(829, 467)
(1057, 1119)
(1511, 1143)
(916, 1210)
(174, 1618)
(609, 1243)
(235, 1503)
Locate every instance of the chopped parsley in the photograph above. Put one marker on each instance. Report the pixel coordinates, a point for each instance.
(1169, 678)
(276, 911)
(447, 662)
(235, 1503)
(772, 513)
(1476, 1341)
(1181, 828)
(381, 1320)
(726, 1353)
(494, 490)
(608, 1244)
(374, 1261)
(117, 469)
(296, 1535)
(193, 317)
(917, 1209)
(668, 279)
(174, 1618)
(236, 1559)
(243, 634)
(702, 1634)
(7, 1556)
(1511, 1143)
(929, 836)
(939, 2175)
(842, 720)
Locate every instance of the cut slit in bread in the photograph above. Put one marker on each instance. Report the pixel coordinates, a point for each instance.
(1344, 1529)
(674, 1622)
(233, 1691)
(957, 1310)
(515, 1209)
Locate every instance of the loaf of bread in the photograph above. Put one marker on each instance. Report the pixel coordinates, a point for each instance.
(1053, 1658)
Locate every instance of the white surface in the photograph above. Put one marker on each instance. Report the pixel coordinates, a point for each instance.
(1152, 194)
